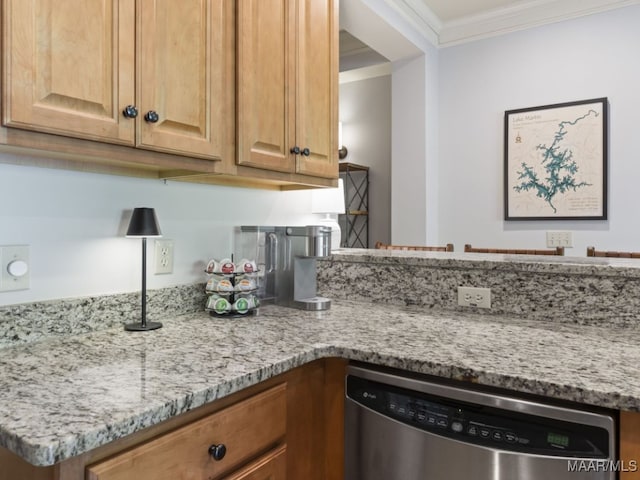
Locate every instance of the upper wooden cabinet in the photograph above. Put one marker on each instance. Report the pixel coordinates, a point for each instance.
(72, 67)
(288, 86)
(69, 67)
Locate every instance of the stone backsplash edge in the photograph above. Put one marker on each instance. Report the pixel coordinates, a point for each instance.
(588, 295)
(600, 293)
(29, 322)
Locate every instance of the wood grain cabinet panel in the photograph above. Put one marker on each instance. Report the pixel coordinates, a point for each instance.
(317, 88)
(272, 466)
(73, 66)
(266, 84)
(630, 445)
(69, 67)
(184, 76)
(288, 86)
(247, 429)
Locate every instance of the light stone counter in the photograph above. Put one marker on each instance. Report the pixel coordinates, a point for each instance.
(63, 396)
(587, 291)
(600, 266)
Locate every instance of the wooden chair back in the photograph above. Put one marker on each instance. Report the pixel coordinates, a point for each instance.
(447, 248)
(515, 251)
(592, 252)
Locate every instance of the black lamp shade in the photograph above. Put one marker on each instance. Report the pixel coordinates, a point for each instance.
(143, 223)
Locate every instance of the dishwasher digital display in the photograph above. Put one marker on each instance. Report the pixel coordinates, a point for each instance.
(558, 439)
(480, 425)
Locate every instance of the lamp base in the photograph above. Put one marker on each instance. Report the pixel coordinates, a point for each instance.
(138, 327)
(336, 234)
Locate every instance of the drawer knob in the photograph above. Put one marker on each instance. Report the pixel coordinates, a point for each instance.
(217, 452)
(306, 152)
(295, 150)
(130, 111)
(151, 116)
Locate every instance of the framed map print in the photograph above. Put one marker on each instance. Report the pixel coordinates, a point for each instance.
(555, 162)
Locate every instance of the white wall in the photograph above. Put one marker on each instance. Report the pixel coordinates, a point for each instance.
(414, 168)
(365, 113)
(409, 166)
(414, 137)
(589, 57)
(75, 222)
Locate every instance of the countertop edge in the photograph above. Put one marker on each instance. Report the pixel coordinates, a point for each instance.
(295, 348)
(45, 455)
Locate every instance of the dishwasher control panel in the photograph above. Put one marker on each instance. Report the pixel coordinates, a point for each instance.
(478, 424)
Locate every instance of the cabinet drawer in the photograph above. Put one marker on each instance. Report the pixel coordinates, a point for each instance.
(247, 429)
(273, 466)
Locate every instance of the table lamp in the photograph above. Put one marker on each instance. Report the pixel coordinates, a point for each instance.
(330, 202)
(143, 224)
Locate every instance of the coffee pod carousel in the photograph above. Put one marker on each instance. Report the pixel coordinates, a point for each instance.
(231, 288)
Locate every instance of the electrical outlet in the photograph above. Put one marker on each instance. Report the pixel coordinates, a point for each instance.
(164, 257)
(474, 297)
(14, 261)
(559, 239)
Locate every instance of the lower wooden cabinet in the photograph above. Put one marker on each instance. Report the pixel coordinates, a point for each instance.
(289, 427)
(273, 466)
(629, 454)
(216, 445)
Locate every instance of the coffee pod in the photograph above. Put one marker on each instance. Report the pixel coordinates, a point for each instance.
(254, 302)
(211, 284)
(245, 284)
(219, 284)
(227, 266)
(211, 300)
(246, 266)
(225, 285)
(212, 266)
(218, 304)
(241, 305)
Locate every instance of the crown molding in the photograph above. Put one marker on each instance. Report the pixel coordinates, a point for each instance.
(420, 16)
(521, 17)
(498, 21)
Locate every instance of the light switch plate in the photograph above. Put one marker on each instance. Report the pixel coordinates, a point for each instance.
(8, 255)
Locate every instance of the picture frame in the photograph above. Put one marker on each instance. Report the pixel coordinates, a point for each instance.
(555, 161)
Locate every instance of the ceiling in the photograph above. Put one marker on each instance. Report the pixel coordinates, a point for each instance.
(356, 54)
(449, 22)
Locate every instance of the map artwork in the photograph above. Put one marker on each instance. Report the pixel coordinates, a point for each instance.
(555, 161)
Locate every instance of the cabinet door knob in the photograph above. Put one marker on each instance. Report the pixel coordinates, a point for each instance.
(306, 152)
(295, 150)
(151, 116)
(217, 452)
(130, 111)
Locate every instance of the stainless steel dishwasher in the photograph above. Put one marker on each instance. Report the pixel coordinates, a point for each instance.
(408, 428)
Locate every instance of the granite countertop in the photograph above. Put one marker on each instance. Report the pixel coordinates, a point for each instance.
(600, 266)
(65, 396)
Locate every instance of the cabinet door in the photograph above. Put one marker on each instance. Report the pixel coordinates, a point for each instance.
(629, 440)
(68, 67)
(317, 87)
(272, 466)
(186, 76)
(247, 429)
(266, 84)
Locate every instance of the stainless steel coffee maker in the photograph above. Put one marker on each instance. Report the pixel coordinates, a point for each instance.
(286, 259)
